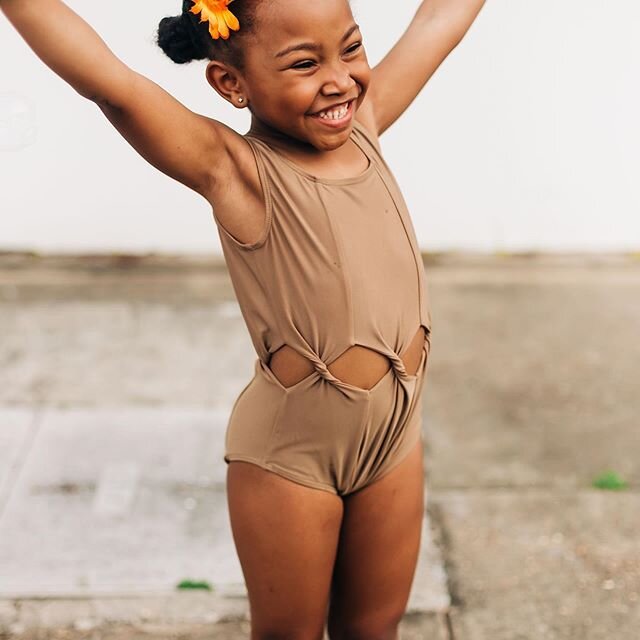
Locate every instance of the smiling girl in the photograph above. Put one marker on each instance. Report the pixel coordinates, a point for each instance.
(325, 479)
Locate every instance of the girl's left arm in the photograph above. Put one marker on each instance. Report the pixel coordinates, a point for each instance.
(436, 29)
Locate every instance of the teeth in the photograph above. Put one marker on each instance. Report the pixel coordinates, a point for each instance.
(335, 114)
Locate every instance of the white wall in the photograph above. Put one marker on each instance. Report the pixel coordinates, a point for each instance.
(527, 138)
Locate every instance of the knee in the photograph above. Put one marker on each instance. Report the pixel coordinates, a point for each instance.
(285, 634)
(364, 631)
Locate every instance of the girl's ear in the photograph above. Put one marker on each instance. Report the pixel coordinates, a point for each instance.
(226, 81)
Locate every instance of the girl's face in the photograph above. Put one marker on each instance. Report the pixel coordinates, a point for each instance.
(307, 57)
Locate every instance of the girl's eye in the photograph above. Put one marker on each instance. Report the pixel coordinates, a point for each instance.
(306, 64)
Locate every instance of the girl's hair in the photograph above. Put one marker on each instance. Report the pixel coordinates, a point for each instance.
(184, 38)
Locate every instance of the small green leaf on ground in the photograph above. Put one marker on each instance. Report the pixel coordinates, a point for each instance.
(609, 480)
(194, 584)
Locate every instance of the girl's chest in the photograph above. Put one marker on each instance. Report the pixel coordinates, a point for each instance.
(366, 216)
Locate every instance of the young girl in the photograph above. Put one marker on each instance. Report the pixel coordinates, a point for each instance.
(324, 447)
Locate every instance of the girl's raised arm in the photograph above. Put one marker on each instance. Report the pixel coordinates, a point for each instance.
(186, 146)
(436, 29)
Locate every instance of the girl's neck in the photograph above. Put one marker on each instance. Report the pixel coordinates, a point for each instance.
(281, 140)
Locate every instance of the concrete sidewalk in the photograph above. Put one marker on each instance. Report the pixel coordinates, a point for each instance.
(117, 375)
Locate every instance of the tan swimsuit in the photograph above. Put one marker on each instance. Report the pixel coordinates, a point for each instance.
(337, 265)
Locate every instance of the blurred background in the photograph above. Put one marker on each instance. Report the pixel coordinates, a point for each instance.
(526, 139)
(122, 347)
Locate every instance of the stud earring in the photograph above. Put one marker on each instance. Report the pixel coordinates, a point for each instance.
(240, 99)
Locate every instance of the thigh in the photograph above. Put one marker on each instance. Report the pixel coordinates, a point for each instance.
(378, 552)
(286, 536)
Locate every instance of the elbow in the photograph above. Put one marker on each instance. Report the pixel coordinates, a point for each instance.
(100, 100)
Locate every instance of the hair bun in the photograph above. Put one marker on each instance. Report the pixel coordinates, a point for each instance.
(177, 38)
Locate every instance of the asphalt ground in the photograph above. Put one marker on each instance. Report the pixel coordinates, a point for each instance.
(531, 395)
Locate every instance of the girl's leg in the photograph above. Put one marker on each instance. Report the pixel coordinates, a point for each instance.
(377, 554)
(286, 536)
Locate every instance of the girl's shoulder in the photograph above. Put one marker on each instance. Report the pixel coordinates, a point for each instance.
(236, 194)
(364, 126)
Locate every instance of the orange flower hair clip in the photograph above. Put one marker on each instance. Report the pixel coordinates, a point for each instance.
(219, 17)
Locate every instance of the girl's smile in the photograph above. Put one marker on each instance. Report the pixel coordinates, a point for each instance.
(337, 116)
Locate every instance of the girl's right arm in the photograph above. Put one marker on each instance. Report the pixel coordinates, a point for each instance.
(186, 146)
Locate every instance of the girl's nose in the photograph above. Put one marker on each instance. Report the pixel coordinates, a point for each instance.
(338, 80)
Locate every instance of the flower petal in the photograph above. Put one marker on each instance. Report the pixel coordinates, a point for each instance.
(222, 25)
(231, 20)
